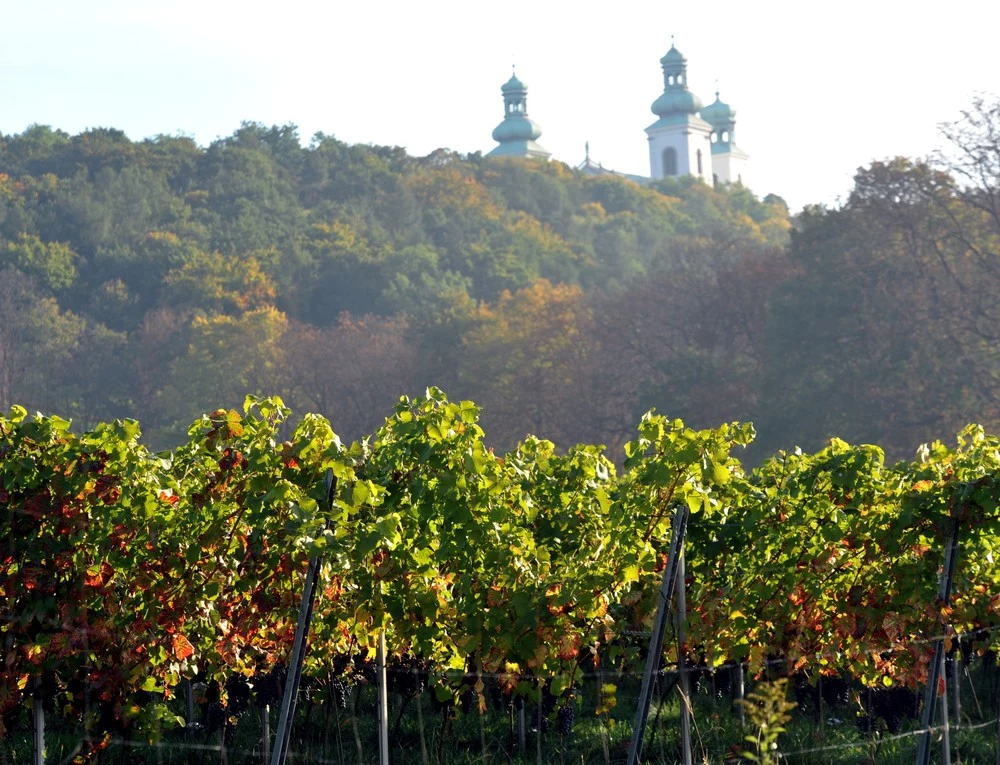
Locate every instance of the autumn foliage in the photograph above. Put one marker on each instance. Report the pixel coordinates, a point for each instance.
(124, 572)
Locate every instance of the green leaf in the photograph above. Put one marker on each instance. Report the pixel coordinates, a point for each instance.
(721, 474)
(360, 494)
(423, 557)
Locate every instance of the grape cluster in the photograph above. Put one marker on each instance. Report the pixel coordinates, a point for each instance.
(469, 701)
(407, 676)
(566, 718)
(238, 691)
(266, 689)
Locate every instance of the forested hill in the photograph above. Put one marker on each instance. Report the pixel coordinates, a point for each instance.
(160, 279)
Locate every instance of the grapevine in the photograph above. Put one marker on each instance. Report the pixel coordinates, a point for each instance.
(125, 573)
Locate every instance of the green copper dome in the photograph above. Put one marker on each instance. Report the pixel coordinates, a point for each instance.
(673, 59)
(512, 85)
(718, 114)
(516, 128)
(516, 134)
(676, 100)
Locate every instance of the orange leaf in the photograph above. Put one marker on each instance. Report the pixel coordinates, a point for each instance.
(182, 647)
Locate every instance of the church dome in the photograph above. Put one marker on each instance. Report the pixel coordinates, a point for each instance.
(516, 129)
(718, 112)
(676, 101)
(512, 85)
(673, 58)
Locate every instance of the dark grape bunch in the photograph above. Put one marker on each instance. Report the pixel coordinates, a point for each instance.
(407, 676)
(238, 691)
(268, 687)
(469, 701)
(566, 717)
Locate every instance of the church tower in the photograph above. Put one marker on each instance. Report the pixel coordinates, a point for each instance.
(679, 141)
(729, 162)
(517, 134)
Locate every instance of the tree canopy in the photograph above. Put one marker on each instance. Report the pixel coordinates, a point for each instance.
(158, 278)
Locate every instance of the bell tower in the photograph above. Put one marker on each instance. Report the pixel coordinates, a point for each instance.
(729, 162)
(679, 141)
(517, 134)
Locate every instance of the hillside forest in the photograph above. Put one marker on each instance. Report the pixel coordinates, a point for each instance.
(159, 279)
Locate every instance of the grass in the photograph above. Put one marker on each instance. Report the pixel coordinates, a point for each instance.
(326, 735)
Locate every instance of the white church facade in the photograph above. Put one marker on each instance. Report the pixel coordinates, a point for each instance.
(687, 138)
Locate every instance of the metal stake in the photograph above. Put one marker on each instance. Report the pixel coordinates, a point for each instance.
(945, 733)
(667, 587)
(934, 670)
(38, 712)
(383, 702)
(740, 689)
(265, 733)
(684, 685)
(283, 734)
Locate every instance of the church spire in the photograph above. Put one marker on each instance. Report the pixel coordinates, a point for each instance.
(676, 98)
(517, 134)
(722, 117)
(679, 142)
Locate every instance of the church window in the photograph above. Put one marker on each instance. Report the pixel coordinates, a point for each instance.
(699, 163)
(725, 136)
(670, 161)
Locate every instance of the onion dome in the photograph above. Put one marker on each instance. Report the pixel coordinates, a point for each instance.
(673, 59)
(513, 85)
(516, 128)
(718, 114)
(516, 134)
(676, 101)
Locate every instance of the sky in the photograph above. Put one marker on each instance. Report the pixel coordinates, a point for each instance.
(820, 89)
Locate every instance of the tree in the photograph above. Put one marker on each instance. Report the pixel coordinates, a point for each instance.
(527, 360)
(53, 264)
(227, 357)
(217, 283)
(36, 338)
(888, 332)
(353, 372)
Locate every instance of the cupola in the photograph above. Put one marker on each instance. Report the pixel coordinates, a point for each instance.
(722, 117)
(516, 134)
(676, 99)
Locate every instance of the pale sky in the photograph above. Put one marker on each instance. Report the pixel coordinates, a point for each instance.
(819, 88)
